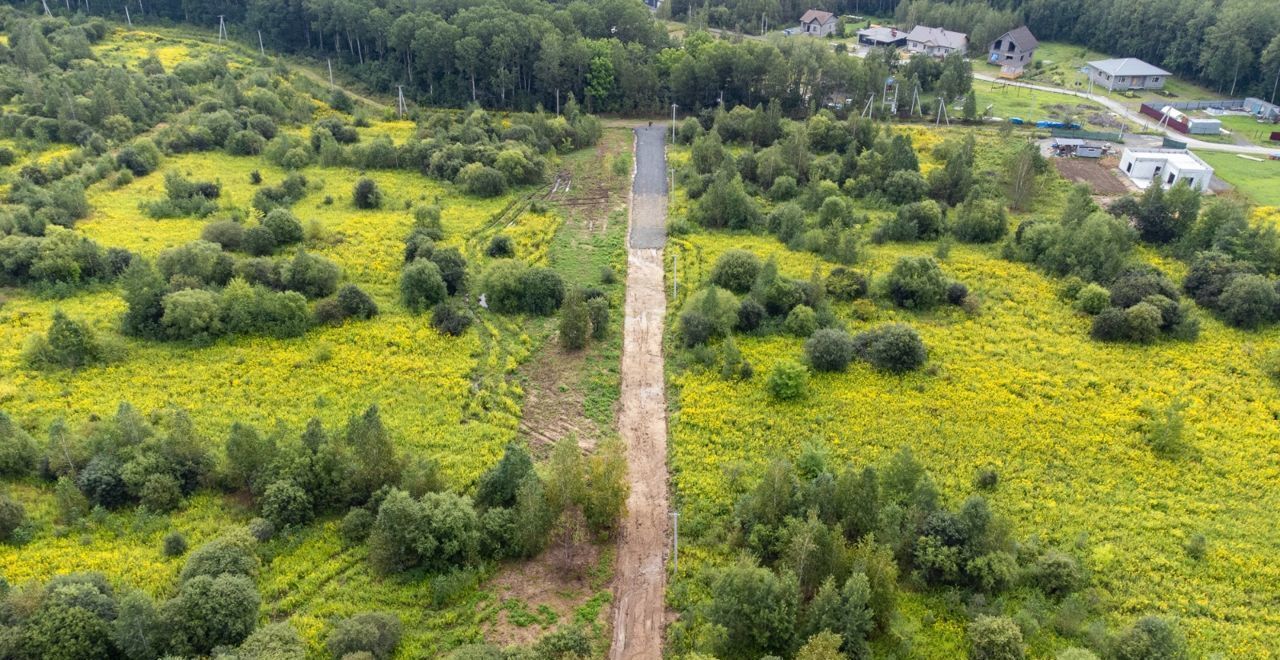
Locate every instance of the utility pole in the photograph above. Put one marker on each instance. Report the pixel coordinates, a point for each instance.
(330, 63)
(222, 28)
(942, 112)
(401, 108)
(675, 515)
(261, 49)
(866, 110)
(675, 274)
(673, 123)
(127, 18)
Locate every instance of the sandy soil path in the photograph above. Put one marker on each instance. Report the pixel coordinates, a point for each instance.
(639, 606)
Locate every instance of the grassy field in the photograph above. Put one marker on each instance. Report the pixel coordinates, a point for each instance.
(1033, 105)
(456, 400)
(1062, 64)
(1022, 389)
(1258, 181)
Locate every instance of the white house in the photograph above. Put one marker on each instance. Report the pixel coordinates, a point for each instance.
(818, 23)
(1127, 73)
(1166, 167)
(936, 41)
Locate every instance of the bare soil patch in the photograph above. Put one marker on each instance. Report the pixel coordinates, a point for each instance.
(553, 404)
(541, 594)
(1099, 174)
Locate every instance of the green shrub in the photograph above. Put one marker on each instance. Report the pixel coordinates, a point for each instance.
(286, 504)
(421, 286)
(355, 526)
(451, 318)
(18, 453)
(259, 241)
(227, 234)
(366, 194)
(575, 322)
(598, 310)
(211, 611)
(481, 180)
(501, 247)
(453, 268)
(1143, 322)
(896, 348)
(311, 275)
(375, 633)
(1092, 299)
(1249, 301)
(282, 224)
(751, 315)
(175, 544)
(830, 349)
(736, 270)
(979, 221)
(12, 516)
(846, 285)
(788, 380)
(916, 283)
(232, 553)
(801, 321)
(717, 306)
(995, 638)
(1148, 638)
(69, 344)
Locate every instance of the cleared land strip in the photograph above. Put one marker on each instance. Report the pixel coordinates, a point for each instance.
(639, 603)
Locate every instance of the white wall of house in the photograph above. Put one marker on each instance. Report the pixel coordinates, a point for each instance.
(1108, 81)
(819, 29)
(1166, 168)
(935, 51)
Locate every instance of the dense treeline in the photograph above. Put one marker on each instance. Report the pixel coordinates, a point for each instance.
(611, 56)
(749, 16)
(1232, 46)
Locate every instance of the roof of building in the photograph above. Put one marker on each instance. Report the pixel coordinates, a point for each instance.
(1129, 66)
(938, 37)
(882, 33)
(822, 17)
(1021, 36)
(1180, 158)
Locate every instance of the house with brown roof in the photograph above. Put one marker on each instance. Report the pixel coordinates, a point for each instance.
(818, 23)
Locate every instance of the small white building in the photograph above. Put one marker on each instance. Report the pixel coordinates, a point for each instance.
(1166, 167)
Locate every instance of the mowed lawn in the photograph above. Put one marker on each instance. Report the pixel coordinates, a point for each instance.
(1259, 181)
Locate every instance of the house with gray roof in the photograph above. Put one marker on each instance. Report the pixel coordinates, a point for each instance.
(882, 36)
(936, 42)
(1014, 49)
(1126, 73)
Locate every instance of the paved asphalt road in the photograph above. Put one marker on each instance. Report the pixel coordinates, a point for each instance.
(649, 190)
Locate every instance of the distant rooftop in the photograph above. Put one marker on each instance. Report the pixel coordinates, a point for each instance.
(1129, 66)
(816, 15)
(882, 33)
(932, 36)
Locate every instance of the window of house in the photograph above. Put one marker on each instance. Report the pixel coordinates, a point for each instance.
(1170, 179)
(1129, 167)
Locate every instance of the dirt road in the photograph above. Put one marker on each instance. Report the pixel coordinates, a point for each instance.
(639, 605)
